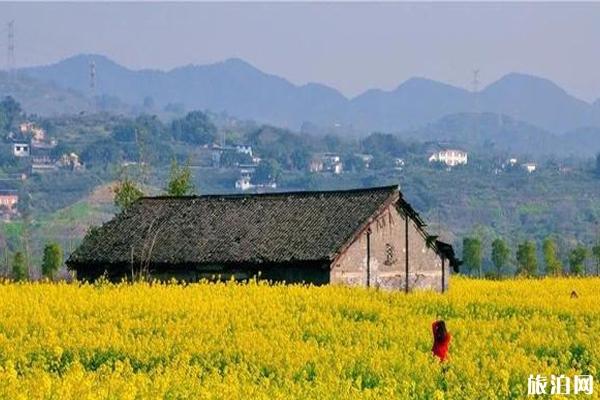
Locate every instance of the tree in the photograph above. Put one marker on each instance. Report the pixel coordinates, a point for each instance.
(267, 172)
(500, 255)
(52, 261)
(195, 128)
(125, 132)
(527, 259)
(551, 260)
(472, 254)
(180, 180)
(19, 270)
(577, 258)
(126, 193)
(597, 169)
(596, 254)
(10, 110)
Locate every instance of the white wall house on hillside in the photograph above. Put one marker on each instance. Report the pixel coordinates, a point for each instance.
(450, 157)
(530, 167)
(21, 149)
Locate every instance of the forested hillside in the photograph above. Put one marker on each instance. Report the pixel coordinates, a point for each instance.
(488, 198)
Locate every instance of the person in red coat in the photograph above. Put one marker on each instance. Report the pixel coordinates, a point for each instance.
(441, 340)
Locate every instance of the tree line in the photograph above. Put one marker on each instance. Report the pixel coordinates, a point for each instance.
(525, 259)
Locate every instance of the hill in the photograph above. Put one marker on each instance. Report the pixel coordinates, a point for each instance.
(43, 98)
(47, 98)
(500, 133)
(244, 91)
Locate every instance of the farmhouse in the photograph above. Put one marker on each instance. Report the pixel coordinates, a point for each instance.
(8, 199)
(450, 157)
(365, 237)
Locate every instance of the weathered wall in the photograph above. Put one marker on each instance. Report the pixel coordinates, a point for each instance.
(388, 257)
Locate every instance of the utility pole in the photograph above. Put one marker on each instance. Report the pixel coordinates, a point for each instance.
(10, 50)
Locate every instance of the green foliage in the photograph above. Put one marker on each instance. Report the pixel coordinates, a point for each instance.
(10, 111)
(472, 254)
(103, 152)
(19, 269)
(290, 150)
(233, 158)
(597, 169)
(527, 264)
(353, 163)
(195, 128)
(126, 193)
(125, 132)
(500, 255)
(384, 143)
(52, 260)
(267, 172)
(180, 180)
(577, 258)
(551, 260)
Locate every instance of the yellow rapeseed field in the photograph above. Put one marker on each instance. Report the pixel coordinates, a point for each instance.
(234, 341)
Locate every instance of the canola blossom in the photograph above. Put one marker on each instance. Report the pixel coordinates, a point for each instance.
(256, 341)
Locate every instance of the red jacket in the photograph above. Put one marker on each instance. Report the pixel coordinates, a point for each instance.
(440, 347)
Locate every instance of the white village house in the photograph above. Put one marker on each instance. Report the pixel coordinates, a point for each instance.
(450, 157)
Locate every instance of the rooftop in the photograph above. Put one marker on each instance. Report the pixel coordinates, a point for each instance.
(241, 228)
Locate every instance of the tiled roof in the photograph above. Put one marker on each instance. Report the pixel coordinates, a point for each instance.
(262, 228)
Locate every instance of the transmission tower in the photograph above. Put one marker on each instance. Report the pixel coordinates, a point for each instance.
(475, 81)
(10, 50)
(93, 84)
(93, 79)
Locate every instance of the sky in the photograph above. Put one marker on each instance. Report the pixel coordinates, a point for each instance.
(349, 46)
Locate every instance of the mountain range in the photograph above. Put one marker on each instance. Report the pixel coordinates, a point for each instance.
(241, 90)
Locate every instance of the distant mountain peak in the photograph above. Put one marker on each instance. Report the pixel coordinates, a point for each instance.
(243, 90)
(418, 83)
(520, 80)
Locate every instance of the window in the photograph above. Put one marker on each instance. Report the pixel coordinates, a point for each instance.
(390, 254)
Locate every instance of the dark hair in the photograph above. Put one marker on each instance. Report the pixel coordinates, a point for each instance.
(439, 331)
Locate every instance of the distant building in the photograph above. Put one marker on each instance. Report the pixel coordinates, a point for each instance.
(29, 128)
(70, 161)
(316, 165)
(398, 163)
(530, 167)
(327, 162)
(367, 159)
(450, 157)
(244, 148)
(219, 152)
(243, 183)
(21, 149)
(43, 167)
(8, 199)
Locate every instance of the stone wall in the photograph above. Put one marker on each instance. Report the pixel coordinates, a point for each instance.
(387, 263)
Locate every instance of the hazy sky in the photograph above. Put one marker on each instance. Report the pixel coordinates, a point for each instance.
(352, 46)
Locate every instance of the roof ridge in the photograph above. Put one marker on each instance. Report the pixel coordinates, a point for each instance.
(274, 194)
